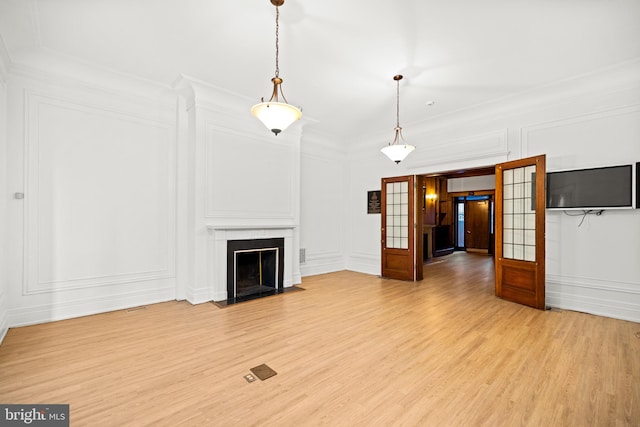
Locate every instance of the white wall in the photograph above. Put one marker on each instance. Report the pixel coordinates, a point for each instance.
(592, 120)
(96, 230)
(592, 267)
(323, 182)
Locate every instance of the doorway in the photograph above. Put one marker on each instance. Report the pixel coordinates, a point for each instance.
(474, 223)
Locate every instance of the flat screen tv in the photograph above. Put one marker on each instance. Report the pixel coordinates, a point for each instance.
(591, 189)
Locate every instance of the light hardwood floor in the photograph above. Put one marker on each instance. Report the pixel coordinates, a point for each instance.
(350, 350)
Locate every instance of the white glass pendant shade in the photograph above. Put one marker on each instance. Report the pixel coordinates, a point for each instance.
(276, 116)
(397, 152)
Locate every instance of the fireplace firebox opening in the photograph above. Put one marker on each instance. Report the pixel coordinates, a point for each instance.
(255, 268)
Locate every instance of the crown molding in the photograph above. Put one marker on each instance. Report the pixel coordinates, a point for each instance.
(620, 77)
(54, 69)
(206, 95)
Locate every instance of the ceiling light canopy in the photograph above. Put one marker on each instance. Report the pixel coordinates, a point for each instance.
(276, 115)
(397, 151)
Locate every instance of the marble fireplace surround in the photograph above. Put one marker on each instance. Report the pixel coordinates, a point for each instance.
(217, 253)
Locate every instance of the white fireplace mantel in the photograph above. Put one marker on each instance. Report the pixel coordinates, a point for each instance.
(217, 252)
(214, 228)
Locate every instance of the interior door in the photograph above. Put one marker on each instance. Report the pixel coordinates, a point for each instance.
(477, 225)
(520, 229)
(398, 245)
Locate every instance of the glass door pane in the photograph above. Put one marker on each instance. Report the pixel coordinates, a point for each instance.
(397, 215)
(519, 215)
(460, 225)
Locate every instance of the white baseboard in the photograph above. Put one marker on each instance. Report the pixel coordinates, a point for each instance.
(313, 267)
(618, 300)
(85, 307)
(368, 264)
(202, 295)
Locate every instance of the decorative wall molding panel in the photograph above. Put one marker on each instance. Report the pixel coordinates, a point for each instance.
(260, 186)
(114, 225)
(323, 195)
(490, 147)
(95, 156)
(575, 131)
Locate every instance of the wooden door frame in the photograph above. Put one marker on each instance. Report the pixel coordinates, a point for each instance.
(492, 200)
(418, 259)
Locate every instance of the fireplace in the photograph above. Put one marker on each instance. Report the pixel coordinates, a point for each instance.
(220, 262)
(255, 268)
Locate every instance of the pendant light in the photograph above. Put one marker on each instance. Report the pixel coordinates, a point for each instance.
(276, 115)
(397, 151)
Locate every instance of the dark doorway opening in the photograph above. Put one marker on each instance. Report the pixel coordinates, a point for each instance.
(474, 223)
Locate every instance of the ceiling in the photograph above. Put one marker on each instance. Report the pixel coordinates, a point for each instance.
(337, 57)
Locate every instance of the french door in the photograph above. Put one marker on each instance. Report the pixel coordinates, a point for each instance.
(398, 241)
(520, 231)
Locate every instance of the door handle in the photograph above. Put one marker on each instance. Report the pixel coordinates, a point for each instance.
(469, 232)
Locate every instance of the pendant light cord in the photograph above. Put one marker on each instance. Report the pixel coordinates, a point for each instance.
(398, 103)
(398, 130)
(277, 40)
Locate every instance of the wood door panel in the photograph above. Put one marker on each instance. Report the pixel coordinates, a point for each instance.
(518, 277)
(519, 283)
(397, 266)
(522, 297)
(396, 261)
(477, 224)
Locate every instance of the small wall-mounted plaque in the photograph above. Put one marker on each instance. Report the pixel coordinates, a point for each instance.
(373, 202)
